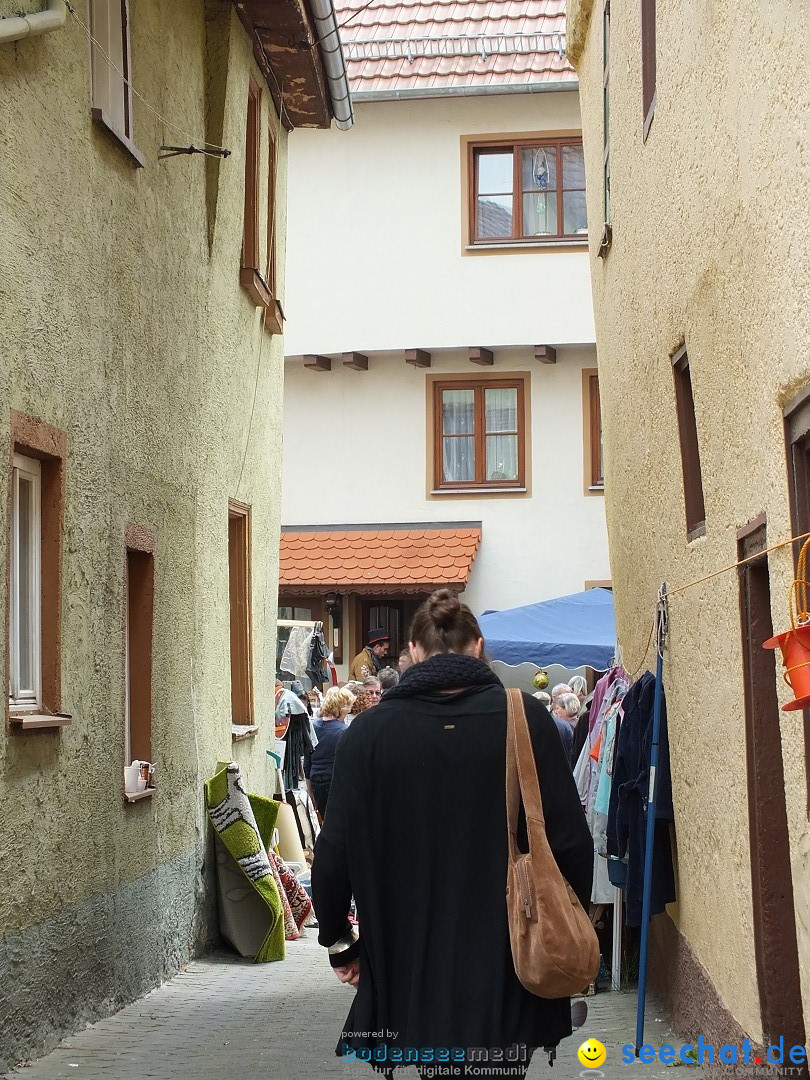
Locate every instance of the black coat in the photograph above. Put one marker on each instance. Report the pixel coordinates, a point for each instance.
(416, 831)
(627, 815)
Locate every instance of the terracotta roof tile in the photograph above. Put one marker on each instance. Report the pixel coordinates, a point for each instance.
(405, 44)
(353, 558)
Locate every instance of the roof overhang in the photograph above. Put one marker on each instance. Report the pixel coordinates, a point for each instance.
(379, 559)
(299, 53)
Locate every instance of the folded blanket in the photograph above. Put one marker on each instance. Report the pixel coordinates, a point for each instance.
(294, 899)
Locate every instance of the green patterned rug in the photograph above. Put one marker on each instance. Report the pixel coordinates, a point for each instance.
(244, 824)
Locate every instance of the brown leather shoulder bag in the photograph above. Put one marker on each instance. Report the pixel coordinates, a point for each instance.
(554, 945)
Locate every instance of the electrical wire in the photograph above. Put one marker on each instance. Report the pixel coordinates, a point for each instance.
(344, 23)
(135, 93)
(666, 594)
(253, 404)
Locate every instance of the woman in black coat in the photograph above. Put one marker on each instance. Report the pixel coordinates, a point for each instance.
(416, 832)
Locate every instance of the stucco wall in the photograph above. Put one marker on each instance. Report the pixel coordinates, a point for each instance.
(376, 231)
(539, 545)
(122, 326)
(710, 243)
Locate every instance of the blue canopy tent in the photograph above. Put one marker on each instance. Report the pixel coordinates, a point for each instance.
(573, 631)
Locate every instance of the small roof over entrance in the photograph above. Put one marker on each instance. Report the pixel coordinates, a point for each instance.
(403, 558)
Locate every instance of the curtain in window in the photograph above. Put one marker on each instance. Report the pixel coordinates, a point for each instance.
(458, 435)
(500, 411)
(25, 539)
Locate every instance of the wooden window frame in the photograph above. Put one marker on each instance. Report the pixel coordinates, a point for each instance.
(797, 454)
(272, 166)
(28, 697)
(479, 484)
(593, 480)
(694, 500)
(240, 613)
(250, 231)
(648, 65)
(260, 286)
(477, 147)
(138, 619)
(35, 439)
(606, 110)
(108, 18)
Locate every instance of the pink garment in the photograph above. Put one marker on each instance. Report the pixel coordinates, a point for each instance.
(599, 692)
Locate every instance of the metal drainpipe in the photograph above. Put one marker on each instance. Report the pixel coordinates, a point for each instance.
(15, 27)
(323, 13)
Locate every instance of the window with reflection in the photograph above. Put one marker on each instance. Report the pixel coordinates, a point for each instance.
(527, 191)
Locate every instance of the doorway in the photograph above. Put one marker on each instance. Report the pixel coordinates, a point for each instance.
(394, 614)
(775, 947)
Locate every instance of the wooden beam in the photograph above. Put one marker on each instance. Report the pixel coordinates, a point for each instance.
(480, 356)
(545, 354)
(317, 363)
(417, 357)
(357, 361)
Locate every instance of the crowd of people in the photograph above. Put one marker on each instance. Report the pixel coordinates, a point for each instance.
(334, 711)
(409, 776)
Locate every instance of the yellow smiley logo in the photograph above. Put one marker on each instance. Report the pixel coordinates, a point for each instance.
(592, 1054)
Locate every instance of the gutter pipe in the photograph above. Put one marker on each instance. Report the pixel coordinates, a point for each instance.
(323, 14)
(15, 27)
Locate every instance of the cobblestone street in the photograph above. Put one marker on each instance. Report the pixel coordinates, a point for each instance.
(223, 1017)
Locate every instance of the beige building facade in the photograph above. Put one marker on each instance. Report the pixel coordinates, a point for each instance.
(141, 380)
(696, 146)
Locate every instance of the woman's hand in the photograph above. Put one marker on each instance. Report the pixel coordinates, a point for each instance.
(349, 973)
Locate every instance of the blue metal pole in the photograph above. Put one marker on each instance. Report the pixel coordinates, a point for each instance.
(648, 850)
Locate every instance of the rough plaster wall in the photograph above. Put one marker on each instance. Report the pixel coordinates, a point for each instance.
(719, 256)
(118, 327)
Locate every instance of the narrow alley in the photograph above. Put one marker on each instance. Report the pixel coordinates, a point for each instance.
(225, 1017)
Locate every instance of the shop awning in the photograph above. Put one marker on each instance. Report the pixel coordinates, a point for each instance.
(411, 558)
(572, 631)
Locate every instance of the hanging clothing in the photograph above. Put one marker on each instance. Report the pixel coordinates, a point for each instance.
(287, 704)
(627, 814)
(298, 744)
(316, 661)
(296, 651)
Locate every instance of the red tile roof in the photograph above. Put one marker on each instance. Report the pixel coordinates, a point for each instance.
(396, 559)
(444, 44)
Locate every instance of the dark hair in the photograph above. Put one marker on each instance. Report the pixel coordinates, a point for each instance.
(444, 625)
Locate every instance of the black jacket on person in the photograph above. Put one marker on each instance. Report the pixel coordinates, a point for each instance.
(416, 831)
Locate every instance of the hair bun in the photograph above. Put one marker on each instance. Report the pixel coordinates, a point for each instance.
(444, 607)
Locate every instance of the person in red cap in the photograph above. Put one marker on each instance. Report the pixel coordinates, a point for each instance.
(369, 660)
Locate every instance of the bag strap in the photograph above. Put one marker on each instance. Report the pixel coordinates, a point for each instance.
(522, 783)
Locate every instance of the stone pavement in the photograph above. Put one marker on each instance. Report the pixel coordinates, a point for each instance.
(223, 1018)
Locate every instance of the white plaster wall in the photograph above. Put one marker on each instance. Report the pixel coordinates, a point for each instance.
(375, 233)
(533, 547)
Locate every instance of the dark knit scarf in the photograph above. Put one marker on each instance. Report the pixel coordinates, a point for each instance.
(445, 671)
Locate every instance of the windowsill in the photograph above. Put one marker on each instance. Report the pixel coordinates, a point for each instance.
(243, 731)
(698, 531)
(100, 119)
(25, 719)
(531, 245)
(479, 491)
(597, 489)
(136, 796)
(259, 292)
